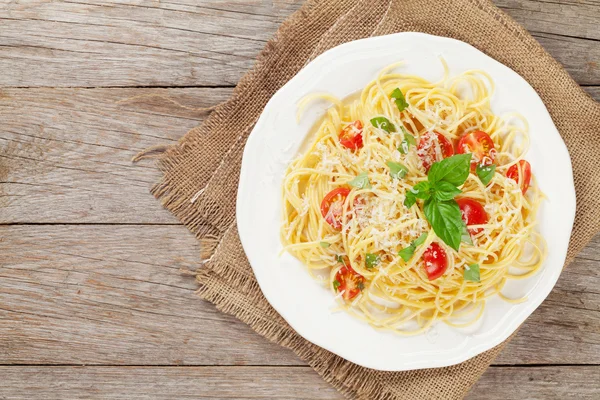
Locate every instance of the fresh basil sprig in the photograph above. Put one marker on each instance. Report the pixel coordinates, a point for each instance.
(383, 123)
(441, 210)
(407, 252)
(399, 99)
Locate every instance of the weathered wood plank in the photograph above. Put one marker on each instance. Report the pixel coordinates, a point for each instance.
(33, 382)
(575, 18)
(104, 294)
(548, 383)
(114, 295)
(149, 43)
(65, 154)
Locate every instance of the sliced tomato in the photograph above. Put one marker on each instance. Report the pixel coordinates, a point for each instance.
(434, 147)
(350, 282)
(520, 173)
(351, 136)
(472, 213)
(436, 261)
(480, 145)
(332, 206)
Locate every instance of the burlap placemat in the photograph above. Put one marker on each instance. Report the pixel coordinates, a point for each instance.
(201, 172)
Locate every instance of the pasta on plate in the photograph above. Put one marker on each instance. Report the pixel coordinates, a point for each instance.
(412, 201)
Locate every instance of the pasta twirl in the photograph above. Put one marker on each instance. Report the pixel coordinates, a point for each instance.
(345, 214)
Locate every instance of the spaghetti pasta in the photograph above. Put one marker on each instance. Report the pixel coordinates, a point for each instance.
(347, 218)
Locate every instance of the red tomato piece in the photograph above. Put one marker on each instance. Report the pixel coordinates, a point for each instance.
(433, 147)
(332, 206)
(524, 177)
(480, 145)
(351, 136)
(436, 261)
(472, 213)
(350, 282)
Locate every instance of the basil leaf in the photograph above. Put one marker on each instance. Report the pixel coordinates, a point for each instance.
(324, 244)
(407, 252)
(360, 285)
(445, 219)
(421, 190)
(454, 170)
(407, 141)
(340, 258)
(399, 99)
(383, 123)
(397, 171)
(410, 139)
(410, 199)
(371, 260)
(466, 236)
(420, 240)
(336, 285)
(403, 149)
(361, 181)
(486, 173)
(472, 273)
(445, 191)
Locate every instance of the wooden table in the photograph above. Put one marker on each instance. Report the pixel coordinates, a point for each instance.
(92, 301)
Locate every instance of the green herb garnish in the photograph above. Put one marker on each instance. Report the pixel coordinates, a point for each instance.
(441, 210)
(397, 171)
(336, 285)
(485, 173)
(399, 99)
(472, 273)
(361, 181)
(407, 141)
(371, 260)
(408, 252)
(466, 236)
(383, 123)
(324, 244)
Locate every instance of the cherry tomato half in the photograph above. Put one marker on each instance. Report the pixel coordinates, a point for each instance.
(524, 177)
(433, 147)
(332, 206)
(480, 145)
(472, 213)
(436, 261)
(350, 282)
(351, 136)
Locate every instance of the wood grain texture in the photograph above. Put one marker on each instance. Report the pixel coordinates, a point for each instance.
(136, 383)
(114, 294)
(185, 43)
(65, 154)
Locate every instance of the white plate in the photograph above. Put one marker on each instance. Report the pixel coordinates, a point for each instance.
(276, 140)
